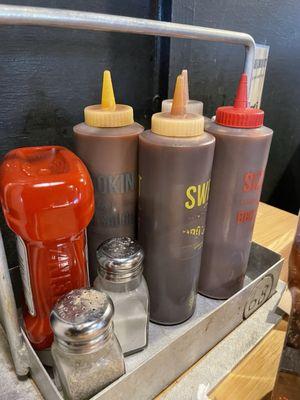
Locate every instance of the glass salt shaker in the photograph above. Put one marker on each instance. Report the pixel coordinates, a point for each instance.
(120, 276)
(87, 355)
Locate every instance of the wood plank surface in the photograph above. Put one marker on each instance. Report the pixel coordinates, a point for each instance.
(254, 377)
(275, 229)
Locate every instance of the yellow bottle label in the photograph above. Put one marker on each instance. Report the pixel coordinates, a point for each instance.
(197, 195)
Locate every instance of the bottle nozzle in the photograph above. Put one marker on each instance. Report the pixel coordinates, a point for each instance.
(179, 99)
(108, 114)
(240, 115)
(108, 98)
(184, 73)
(192, 106)
(241, 98)
(177, 122)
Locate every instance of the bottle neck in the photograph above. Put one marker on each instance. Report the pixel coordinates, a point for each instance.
(120, 286)
(87, 346)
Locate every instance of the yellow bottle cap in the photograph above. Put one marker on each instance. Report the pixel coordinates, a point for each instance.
(192, 106)
(108, 114)
(177, 122)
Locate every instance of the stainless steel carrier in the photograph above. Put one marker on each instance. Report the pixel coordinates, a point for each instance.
(172, 349)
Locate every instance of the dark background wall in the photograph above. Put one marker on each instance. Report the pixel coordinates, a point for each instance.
(48, 75)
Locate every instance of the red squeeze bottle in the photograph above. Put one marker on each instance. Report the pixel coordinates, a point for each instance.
(241, 154)
(48, 200)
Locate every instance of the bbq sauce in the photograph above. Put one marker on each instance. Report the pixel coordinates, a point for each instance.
(107, 142)
(175, 161)
(241, 154)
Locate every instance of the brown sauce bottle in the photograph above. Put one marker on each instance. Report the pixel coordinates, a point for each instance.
(241, 154)
(107, 142)
(175, 161)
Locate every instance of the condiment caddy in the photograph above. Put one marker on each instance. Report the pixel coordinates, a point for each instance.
(82, 319)
(175, 159)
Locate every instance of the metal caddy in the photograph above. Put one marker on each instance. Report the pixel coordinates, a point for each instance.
(172, 349)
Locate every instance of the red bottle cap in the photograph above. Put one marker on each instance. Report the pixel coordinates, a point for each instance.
(240, 115)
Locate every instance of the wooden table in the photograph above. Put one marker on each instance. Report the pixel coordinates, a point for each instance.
(253, 378)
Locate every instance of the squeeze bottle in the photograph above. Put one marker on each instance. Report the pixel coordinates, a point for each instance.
(175, 161)
(47, 200)
(192, 106)
(107, 142)
(241, 154)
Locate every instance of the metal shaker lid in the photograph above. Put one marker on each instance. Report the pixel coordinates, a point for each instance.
(120, 259)
(81, 315)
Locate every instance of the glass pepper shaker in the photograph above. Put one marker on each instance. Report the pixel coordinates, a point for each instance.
(86, 353)
(120, 272)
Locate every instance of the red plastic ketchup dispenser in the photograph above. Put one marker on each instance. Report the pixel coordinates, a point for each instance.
(48, 200)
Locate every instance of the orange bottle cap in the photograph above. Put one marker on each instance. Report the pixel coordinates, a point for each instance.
(192, 106)
(177, 122)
